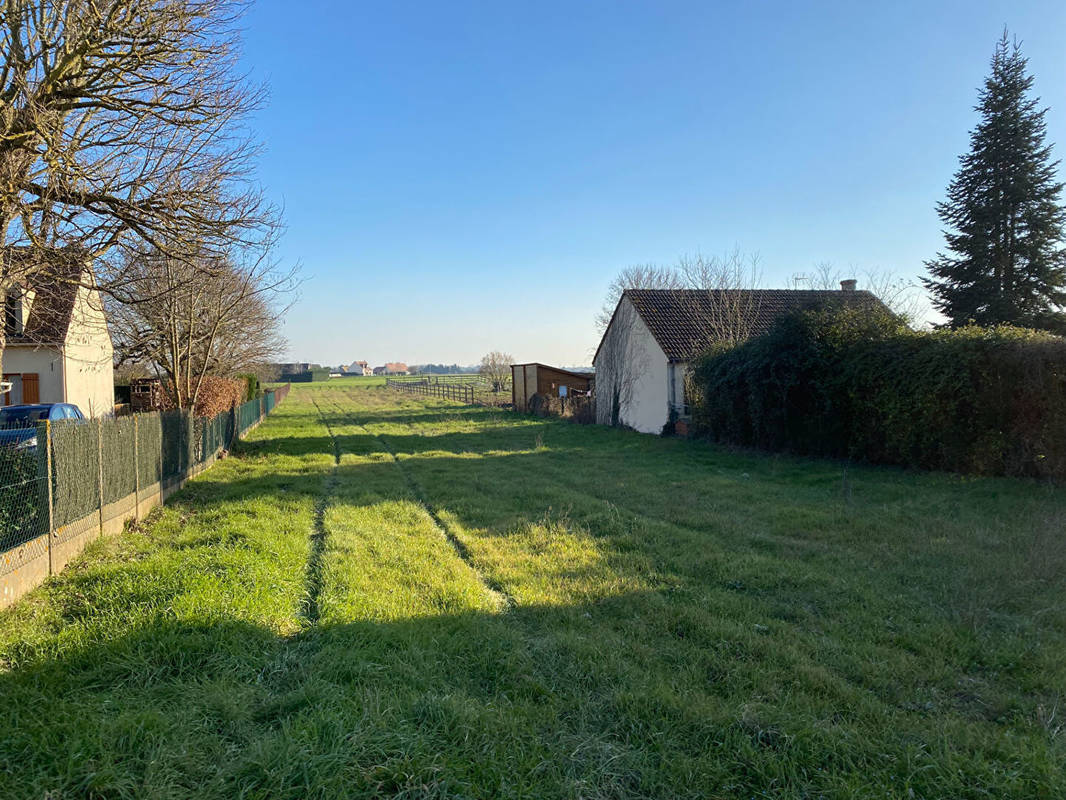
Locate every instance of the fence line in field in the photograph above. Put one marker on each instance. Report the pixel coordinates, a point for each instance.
(77, 480)
(462, 392)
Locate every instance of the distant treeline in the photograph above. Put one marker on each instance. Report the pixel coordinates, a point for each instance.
(441, 369)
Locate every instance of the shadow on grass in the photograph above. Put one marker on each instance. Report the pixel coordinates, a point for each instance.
(448, 706)
(621, 697)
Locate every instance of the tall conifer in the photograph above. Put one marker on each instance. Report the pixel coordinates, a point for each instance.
(1006, 262)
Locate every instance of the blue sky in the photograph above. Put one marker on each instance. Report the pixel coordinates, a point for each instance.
(467, 176)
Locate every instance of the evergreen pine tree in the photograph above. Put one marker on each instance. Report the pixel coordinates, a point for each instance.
(1005, 225)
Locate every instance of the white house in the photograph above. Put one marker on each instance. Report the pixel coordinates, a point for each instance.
(654, 335)
(57, 348)
(360, 368)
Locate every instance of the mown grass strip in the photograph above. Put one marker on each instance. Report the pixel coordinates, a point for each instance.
(689, 622)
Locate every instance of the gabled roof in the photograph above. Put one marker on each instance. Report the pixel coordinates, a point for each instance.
(52, 308)
(684, 321)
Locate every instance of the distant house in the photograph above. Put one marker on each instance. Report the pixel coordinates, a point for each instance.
(360, 368)
(290, 367)
(654, 335)
(57, 348)
(395, 368)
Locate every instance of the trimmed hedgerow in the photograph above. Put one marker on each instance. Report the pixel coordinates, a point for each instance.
(850, 384)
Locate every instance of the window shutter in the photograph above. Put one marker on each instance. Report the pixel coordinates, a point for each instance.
(30, 391)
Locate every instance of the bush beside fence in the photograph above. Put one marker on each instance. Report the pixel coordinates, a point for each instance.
(988, 401)
(86, 478)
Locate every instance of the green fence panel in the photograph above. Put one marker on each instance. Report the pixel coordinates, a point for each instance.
(247, 415)
(138, 450)
(75, 488)
(120, 470)
(149, 449)
(176, 443)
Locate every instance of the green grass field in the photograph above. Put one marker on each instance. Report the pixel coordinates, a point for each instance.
(381, 595)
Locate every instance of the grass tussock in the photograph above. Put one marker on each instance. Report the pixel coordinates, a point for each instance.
(384, 595)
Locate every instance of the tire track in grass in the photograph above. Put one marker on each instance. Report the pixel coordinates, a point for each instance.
(495, 589)
(309, 608)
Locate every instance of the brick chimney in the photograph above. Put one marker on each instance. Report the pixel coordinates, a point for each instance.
(848, 285)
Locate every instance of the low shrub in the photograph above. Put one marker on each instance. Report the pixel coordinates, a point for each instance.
(215, 396)
(986, 401)
(576, 408)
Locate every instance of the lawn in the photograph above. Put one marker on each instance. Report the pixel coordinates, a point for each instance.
(387, 595)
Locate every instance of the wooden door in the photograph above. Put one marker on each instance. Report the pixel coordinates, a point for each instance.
(31, 392)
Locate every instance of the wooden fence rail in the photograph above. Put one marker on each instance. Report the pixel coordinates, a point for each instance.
(464, 393)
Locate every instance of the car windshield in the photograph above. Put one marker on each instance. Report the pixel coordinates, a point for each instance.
(10, 417)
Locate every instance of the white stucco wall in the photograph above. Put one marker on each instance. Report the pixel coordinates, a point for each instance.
(88, 357)
(632, 366)
(79, 372)
(46, 362)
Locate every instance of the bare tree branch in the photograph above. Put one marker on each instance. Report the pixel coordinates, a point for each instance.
(121, 132)
(194, 320)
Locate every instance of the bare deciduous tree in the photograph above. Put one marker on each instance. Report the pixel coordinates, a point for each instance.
(903, 297)
(637, 276)
(726, 313)
(193, 320)
(495, 368)
(121, 129)
(731, 277)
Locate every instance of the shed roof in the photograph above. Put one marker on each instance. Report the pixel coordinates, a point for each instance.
(586, 375)
(684, 321)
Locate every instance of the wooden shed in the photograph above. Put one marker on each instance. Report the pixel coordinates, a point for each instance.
(530, 379)
(146, 394)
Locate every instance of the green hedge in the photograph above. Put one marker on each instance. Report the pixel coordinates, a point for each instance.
(310, 376)
(850, 384)
(251, 386)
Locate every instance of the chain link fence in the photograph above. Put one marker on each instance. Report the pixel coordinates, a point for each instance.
(65, 482)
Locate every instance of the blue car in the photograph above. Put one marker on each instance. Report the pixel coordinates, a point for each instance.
(18, 424)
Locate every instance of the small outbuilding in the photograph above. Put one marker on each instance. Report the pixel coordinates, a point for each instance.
(530, 379)
(146, 394)
(653, 337)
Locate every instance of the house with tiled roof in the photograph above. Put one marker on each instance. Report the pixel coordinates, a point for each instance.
(57, 348)
(655, 334)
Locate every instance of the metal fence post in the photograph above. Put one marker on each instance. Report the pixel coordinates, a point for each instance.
(136, 470)
(100, 471)
(48, 483)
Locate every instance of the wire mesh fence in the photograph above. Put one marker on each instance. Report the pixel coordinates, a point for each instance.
(23, 486)
(63, 482)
